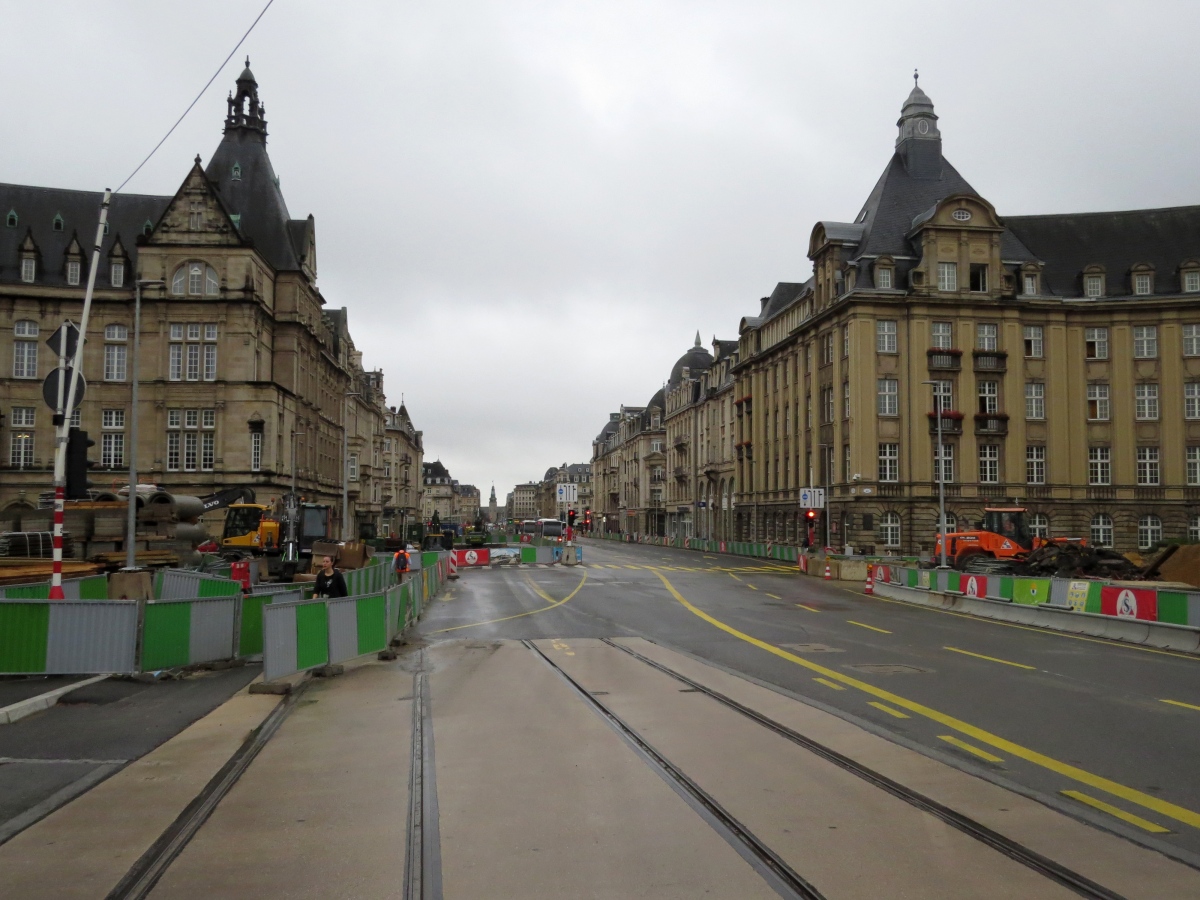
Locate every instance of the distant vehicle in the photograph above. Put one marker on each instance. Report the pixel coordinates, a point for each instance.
(1003, 533)
(551, 529)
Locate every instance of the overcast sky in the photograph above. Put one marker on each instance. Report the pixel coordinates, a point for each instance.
(529, 209)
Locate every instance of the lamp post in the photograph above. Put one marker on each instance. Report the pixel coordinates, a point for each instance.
(131, 514)
(291, 550)
(346, 465)
(941, 463)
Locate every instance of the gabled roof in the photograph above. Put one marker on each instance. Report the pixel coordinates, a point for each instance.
(1069, 243)
(781, 298)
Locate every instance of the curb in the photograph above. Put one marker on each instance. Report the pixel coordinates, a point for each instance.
(30, 705)
(1161, 635)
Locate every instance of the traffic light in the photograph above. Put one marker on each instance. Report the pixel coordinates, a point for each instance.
(571, 517)
(78, 464)
(811, 515)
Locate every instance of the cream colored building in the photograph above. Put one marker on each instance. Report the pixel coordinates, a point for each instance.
(525, 501)
(403, 456)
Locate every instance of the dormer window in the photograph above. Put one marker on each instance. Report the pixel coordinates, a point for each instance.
(195, 279)
(961, 215)
(883, 277)
(1143, 283)
(947, 276)
(28, 269)
(73, 272)
(11, 221)
(147, 227)
(979, 277)
(116, 274)
(1191, 281)
(1093, 286)
(58, 222)
(236, 175)
(1031, 284)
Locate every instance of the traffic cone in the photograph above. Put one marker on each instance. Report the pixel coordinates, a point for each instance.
(870, 585)
(828, 572)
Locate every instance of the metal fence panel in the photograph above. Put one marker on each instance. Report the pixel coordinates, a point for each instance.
(343, 629)
(279, 641)
(92, 637)
(211, 635)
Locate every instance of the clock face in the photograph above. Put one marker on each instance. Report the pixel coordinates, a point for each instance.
(923, 127)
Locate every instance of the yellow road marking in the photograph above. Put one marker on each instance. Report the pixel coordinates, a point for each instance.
(872, 627)
(1144, 824)
(562, 645)
(1180, 703)
(752, 587)
(734, 577)
(1162, 807)
(537, 590)
(887, 709)
(963, 745)
(809, 608)
(990, 658)
(774, 597)
(828, 683)
(633, 567)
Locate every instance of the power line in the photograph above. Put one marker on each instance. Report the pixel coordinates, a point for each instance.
(198, 96)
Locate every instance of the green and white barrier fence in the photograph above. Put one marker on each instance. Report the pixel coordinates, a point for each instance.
(91, 587)
(65, 637)
(177, 633)
(178, 584)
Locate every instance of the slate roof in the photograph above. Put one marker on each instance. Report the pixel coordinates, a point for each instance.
(1069, 243)
(434, 469)
(697, 359)
(783, 295)
(36, 208)
(725, 349)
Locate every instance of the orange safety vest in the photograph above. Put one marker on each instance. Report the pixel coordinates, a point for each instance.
(401, 556)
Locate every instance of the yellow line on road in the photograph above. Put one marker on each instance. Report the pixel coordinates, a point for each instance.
(887, 709)
(990, 658)
(731, 575)
(872, 627)
(774, 597)
(1144, 824)
(963, 745)
(1180, 703)
(828, 683)
(809, 608)
(752, 587)
(1131, 795)
(537, 590)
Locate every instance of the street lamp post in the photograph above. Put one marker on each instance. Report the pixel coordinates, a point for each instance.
(346, 464)
(941, 463)
(131, 515)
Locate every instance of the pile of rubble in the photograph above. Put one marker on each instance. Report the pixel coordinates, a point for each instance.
(1084, 561)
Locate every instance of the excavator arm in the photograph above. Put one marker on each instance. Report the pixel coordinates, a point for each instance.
(223, 498)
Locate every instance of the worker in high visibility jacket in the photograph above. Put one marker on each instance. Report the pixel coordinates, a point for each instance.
(400, 562)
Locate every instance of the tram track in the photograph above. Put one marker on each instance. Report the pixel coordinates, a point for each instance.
(1014, 850)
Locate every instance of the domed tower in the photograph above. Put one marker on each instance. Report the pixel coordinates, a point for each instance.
(919, 142)
(696, 360)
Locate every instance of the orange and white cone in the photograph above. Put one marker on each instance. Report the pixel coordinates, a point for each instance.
(869, 588)
(828, 572)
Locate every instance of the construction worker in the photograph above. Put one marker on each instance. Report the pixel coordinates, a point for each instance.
(400, 562)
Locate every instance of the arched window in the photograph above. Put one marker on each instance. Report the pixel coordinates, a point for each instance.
(195, 279)
(1194, 528)
(1149, 532)
(1039, 525)
(951, 522)
(889, 529)
(1102, 530)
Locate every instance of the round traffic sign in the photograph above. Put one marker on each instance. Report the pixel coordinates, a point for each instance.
(50, 388)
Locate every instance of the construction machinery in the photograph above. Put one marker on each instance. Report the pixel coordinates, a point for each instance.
(1003, 534)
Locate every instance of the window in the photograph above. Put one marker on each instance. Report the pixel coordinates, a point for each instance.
(947, 276)
(826, 342)
(25, 352)
(175, 362)
(1143, 283)
(195, 279)
(173, 418)
(989, 397)
(845, 462)
(889, 397)
(1039, 525)
(72, 271)
(1194, 528)
(189, 451)
(889, 529)
(1102, 530)
(210, 362)
(889, 462)
(23, 416)
(1191, 400)
(987, 336)
(1093, 286)
(1097, 397)
(113, 418)
(845, 348)
(192, 370)
(827, 405)
(116, 274)
(1034, 343)
(943, 396)
(20, 449)
(114, 362)
(1191, 339)
(1145, 401)
(191, 418)
(173, 451)
(1096, 343)
(256, 441)
(1149, 532)
(1031, 285)
(28, 269)
(208, 418)
(979, 277)
(942, 337)
(1191, 282)
(1035, 400)
(989, 464)
(943, 463)
(1035, 464)
(210, 332)
(845, 399)
(76, 415)
(57, 225)
(112, 450)
(207, 450)
(1147, 466)
(352, 467)
(116, 333)
(1193, 466)
(11, 221)
(1099, 465)
(885, 336)
(656, 446)
(1145, 341)
(883, 278)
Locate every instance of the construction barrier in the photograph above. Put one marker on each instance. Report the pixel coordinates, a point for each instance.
(472, 557)
(295, 638)
(357, 626)
(182, 584)
(64, 637)
(178, 633)
(91, 587)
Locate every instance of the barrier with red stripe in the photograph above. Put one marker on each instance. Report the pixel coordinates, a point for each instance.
(480, 556)
(1129, 603)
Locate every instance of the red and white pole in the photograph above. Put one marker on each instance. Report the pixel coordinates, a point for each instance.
(869, 588)
(828, 572)
(75, 365)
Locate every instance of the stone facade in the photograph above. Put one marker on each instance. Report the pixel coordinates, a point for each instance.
(403, 452)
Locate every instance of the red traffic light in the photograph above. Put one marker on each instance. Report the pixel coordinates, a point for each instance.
(811, 514)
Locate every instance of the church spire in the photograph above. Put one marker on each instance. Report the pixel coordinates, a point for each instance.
(697, 337)
(919, 142)
(244, 109)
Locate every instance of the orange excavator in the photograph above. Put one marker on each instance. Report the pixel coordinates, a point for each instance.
(1003, 534)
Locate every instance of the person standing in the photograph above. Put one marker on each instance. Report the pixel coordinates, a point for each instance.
(330, 582)
(400, 562)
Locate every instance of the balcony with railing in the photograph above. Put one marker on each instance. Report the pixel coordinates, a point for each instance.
(681, 472)
(952, 422)
(944, 359)
(680, 442)
(991, 423)
(991, 360)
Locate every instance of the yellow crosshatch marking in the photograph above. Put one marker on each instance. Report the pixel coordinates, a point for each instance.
(1144, 824)
(887, 709)
(963, 745)
(872, 627)
(828, 683)
(990, 658)
(1099, 782)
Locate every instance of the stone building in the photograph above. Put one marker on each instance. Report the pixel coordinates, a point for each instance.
(438, 493)
(716, 490)
(525, 501)
(1060, 353)
(579, 474)
(683, 399)
(243, 372)
(466, 504)
(403, 456)
(629, 463)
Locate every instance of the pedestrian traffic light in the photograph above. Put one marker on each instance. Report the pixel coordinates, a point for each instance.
(78, 464)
